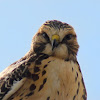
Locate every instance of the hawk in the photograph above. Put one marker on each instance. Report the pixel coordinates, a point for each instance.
(49, 71)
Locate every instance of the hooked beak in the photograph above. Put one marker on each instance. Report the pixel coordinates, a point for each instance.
(55, 41)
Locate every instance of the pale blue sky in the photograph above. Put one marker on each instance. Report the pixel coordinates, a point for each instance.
(20, 20)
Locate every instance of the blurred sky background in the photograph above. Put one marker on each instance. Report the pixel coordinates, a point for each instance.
(20, 20)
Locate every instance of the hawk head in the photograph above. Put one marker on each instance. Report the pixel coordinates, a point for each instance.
(57, 39)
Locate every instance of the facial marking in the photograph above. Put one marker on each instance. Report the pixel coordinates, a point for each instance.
(63, 33)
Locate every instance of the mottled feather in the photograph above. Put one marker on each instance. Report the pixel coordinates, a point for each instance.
(49, 71)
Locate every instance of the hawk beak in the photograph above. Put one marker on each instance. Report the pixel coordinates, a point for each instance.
(55, 41)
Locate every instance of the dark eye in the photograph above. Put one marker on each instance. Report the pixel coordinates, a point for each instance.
(68, 37)
(45, 36)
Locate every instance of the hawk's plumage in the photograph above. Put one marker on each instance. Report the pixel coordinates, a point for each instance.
(49, 71)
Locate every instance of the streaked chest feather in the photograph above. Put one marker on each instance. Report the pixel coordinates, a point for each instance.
(53, 79)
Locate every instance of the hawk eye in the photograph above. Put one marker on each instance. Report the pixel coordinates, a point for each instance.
(45, 36)
(69, 36)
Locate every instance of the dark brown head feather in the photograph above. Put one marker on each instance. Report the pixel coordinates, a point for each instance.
(57, 24)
